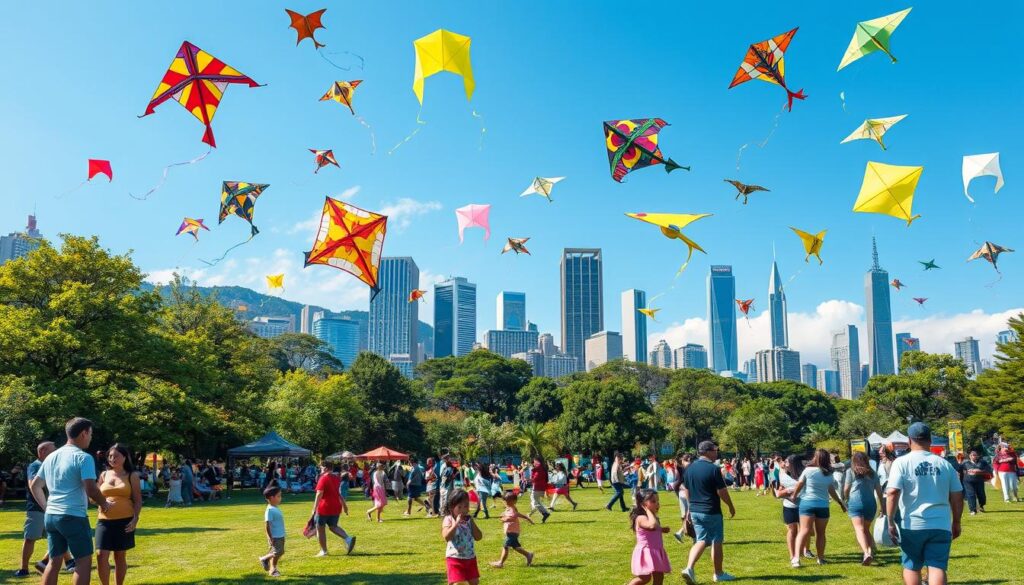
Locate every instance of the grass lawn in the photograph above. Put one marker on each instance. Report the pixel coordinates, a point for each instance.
(218, 543)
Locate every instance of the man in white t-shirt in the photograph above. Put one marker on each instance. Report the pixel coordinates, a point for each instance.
(931, 500)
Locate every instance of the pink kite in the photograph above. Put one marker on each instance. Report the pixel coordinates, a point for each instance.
(100, 167)
(474, 215)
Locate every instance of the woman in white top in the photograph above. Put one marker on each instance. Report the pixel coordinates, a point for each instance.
(560, 483)
(814, 488)
(791, 467)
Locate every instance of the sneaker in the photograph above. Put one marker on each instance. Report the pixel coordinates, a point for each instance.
(973, 513)
(275, 573)
(40, 566)
(70, 566)
(265, 563)
(795, 562)
(350, 544)
(574, 504)
(822, 562)
(529, 560)
(322, 553)
(868, 559)
(809, 555)
(679, 537)
(689, 577)
(497, 565)
(723, 577)
(22, 573)
(544, 518)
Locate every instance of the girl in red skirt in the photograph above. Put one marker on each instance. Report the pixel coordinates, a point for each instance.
(460, 533)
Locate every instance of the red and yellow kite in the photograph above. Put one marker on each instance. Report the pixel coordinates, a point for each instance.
(765, 61)
(196, 80)
(350, 239)
(342, 92)
(416, 294)
(306, 25)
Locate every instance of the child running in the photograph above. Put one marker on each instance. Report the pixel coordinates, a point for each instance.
(274, 520)
(650, 561)
(510, 519)
(460, 532)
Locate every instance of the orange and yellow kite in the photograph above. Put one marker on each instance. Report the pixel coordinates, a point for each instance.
(350, 239)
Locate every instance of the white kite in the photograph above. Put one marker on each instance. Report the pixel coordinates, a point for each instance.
(982, 165)
(541, 186)
(873, 129)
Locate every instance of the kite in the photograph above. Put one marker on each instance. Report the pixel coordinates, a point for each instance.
(888, 190)
(474, 215)
(929, 264)
(542, 186)
(982, 165)
(910, 341)
(671, 225)
(342, 92)
(191, 226)
(350, 239)
(517, 245)
(439, 51)
(745, 306)
(323, 158)
(896, 284)
(766, 61)
(990, 252)
(416, 295)
(633, 144)
(196, 80)
(100, 167)
(812, 243)
(650, 313)
(239, 198)
(275, 281)
(920, 300)
(874, 129)
(872, 35)
(306, 26)
(744, 190)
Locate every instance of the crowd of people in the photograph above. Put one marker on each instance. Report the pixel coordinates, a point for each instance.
(915, 499)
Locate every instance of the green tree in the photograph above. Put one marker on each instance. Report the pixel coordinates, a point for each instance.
(996, 397)
(650, 380)
(864, 418)
(390, 402)
(605, 415)
(20, 431)
(479, 429)
(483, 381)
(322, 415)
(301, 351)
(818, 432)
(442, 430)
(540, 400)
(930, 388)
(695, 403)
(756, 426)
(536, 439)
(800, 404)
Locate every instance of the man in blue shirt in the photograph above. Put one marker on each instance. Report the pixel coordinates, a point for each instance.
(69, 474)
(34, 516)
(187, 482)
(931, 501)
(706, 486)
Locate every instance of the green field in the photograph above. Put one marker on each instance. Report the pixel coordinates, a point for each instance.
(218, 543)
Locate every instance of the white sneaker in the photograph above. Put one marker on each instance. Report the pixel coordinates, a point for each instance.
(322, 553)
(723, 577)
(809, 555)
(795, 562)
(679, 537)
(689, 577)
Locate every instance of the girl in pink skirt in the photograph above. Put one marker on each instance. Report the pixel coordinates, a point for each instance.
(650, 561)
(379, 493)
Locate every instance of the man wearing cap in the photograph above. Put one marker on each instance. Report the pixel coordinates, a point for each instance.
(704, 481)
(930, 497)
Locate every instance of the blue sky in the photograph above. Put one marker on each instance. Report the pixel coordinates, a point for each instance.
(547, 75)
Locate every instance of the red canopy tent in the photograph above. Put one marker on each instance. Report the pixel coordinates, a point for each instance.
(383, 454)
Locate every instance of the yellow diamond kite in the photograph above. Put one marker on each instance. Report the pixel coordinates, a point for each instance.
(889, 190)
(442, 50)
(671, 225)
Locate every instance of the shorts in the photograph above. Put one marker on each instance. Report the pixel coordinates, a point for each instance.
(925, 548)
(68, 533)
(814, 510)
(460, 570)
(110, 535)
(790, 515)
(709, 528)
(277, 546)
(35, 525)
(322, 520)
(415, 491)
(512, 540)
(865, 510)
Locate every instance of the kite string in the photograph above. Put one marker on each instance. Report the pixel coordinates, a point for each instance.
(167, 169)
(763, 143)
(373, 137)
(483, 128)
(420, 124)
(71, 190)
(323, 55)
(224, 255)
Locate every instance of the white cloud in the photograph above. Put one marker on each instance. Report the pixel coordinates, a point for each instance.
(427, 281)
(401, 212)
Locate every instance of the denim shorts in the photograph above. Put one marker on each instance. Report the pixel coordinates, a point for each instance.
(814, 509)
(925, 548)
(709, 528)
(68, 533)
(512, 540)
(859, 509)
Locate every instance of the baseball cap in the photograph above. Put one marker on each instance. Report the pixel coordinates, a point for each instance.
(706, 446)
(919, 431)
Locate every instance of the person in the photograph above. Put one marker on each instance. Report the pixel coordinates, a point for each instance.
(792, 466)
(433, 494)
(273, 520)
(379, 481)
(187, 481)
(599, 474)
(746, 472)
(510, 524)
(618, 481)
(397, 477)
(930, 499)
(115, 528)
(69, 475)
(679, 487)
(976, 471)
(862, 493)
(706, 487)
(482, 485)
(174, 490)
(814, 487)
(759, 479)
(650, 561)
(1005, 464)
(560, 482)
(538, 487)
(35, 517)
(327, 508)
(460, 533)
(415, 490)
(446, 481)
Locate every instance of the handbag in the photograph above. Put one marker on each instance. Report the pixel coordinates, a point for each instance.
(881, 532)
(310, 528)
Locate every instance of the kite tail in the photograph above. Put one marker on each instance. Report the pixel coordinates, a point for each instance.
(373, 137)
(689, 254)
(224, 255)
(911, 220)
(671, 165)
(167, 169)
(790, 96)
(420, 124)
(362, 62)
(842, 98)
(483, 128)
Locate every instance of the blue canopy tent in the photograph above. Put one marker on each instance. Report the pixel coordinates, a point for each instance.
(269, 445)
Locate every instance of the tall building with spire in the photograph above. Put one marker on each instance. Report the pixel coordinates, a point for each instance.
(777, 309)
(18, 244)
(879, 313)
(722, 319)
(393, 325)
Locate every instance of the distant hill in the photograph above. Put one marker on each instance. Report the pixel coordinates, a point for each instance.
(260, 305)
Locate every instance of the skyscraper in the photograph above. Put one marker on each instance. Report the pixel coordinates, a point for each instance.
(506, 343)
(845, 353)
(394, 321)
(634, 325)
(603, 347)
(905, 342)
(809, 375)
(777, 309)
(535, 358)
(777, 364)
(967, 351)
(19, 244)
(691, 355)
(341, 336)
(1007, 336)
(828, 382)
(546, 344)
(556, 366)
(582, 299)
(454, 317)
(722, 318)
(865, 375)
(750, 369)
(512, 311)
(661, 355)
(306, 320)
(271, 327)
(879, 313)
